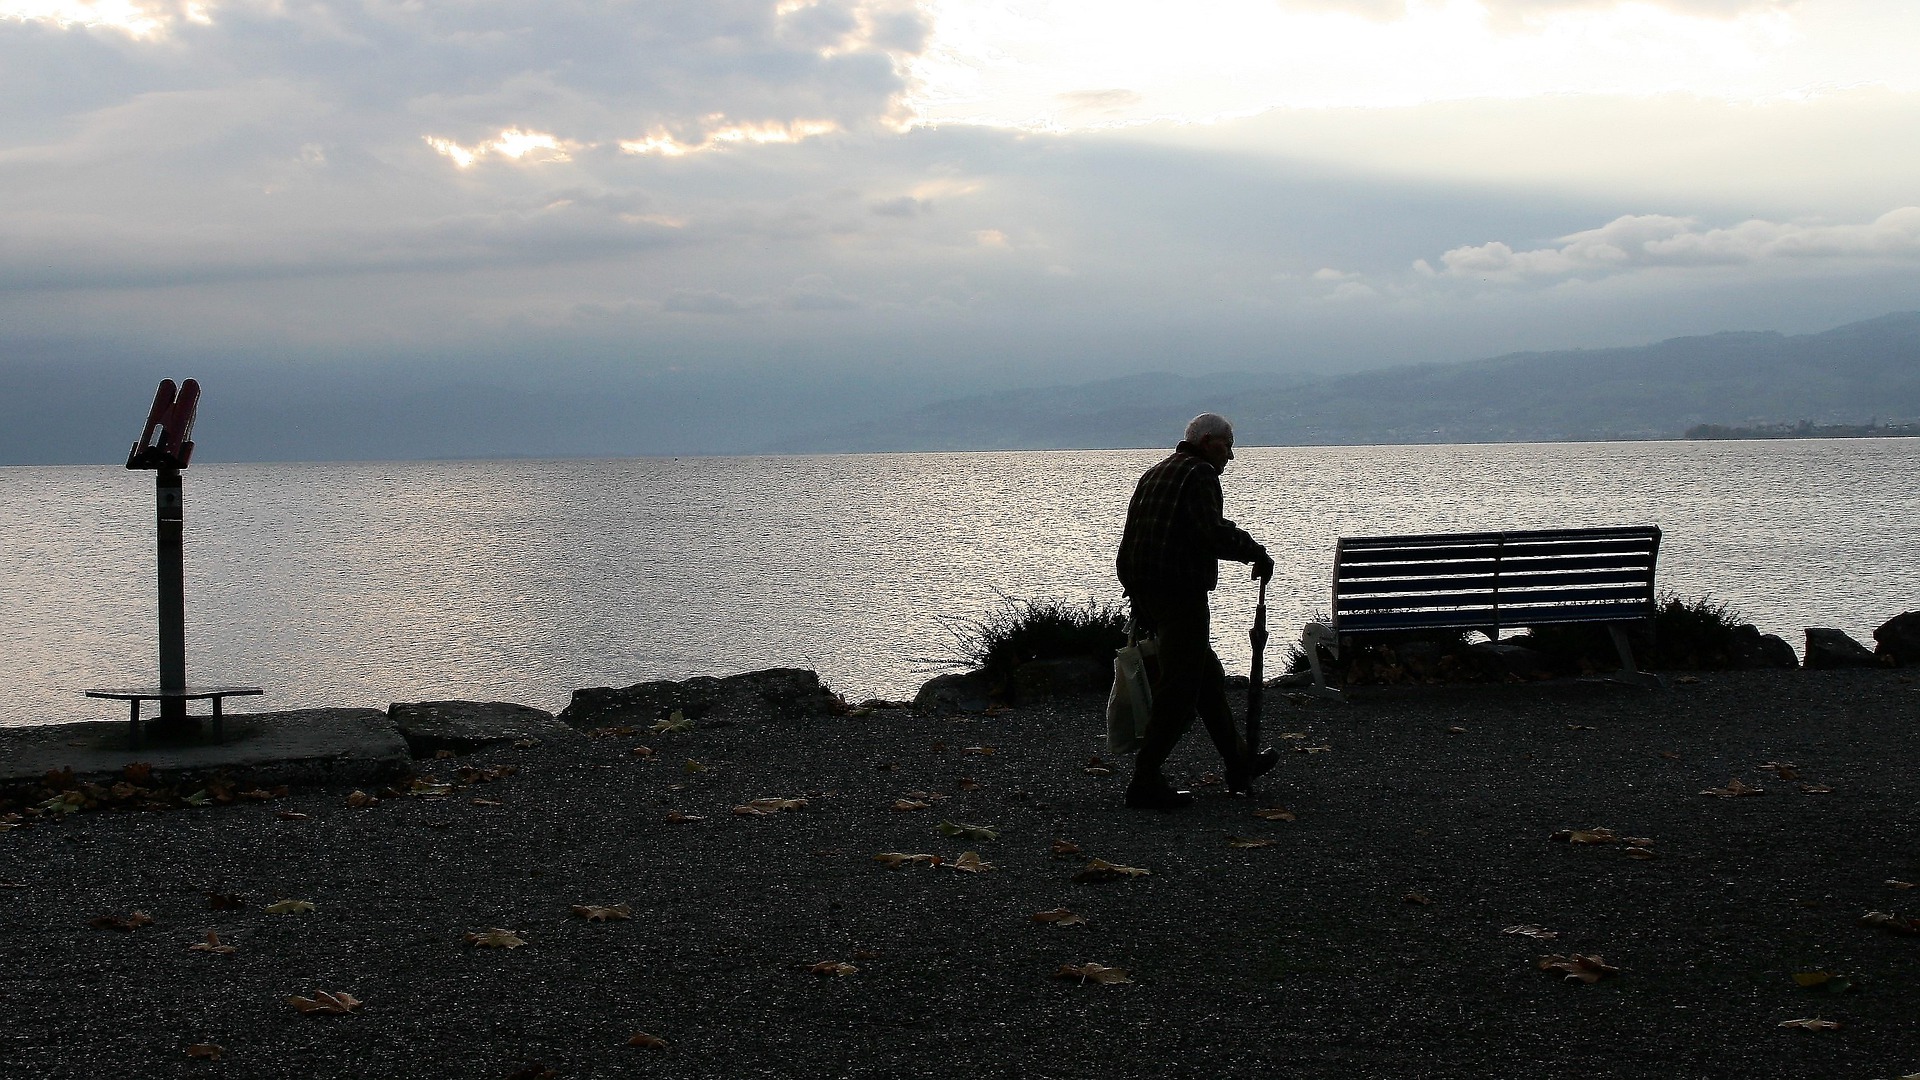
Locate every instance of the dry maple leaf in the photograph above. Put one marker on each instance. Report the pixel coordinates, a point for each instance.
(212, 945)
(1896, 883)
(602, 912)
(1785, 770)
(692, 766)
(774, 806)
(1536, 932)
(1248, 842)
(1592, 835)
(1093, 973)
(968, 832)
(428, 786)
(1058, 917)
(1064, 849)
(1313, 749)
(290, 815)
(1102, 870)
(646, 1041)
(970, 862)
(122, 923)
(496, 938)
(1578, 968)
(1639, 852)
(896, 859)
(1456, 729)
(1811, 1024)
(326, 1003)
(641, 751)
(677, 817)
(833, 967)
(1274, 813)
(1416, 898)
(290, 907)
(206, 1051)
(1733, 789)
(907, 806)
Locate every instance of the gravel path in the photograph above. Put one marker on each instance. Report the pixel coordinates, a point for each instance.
(1312, 956)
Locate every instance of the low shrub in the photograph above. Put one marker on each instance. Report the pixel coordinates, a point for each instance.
(1021, 630)
(1688, 635)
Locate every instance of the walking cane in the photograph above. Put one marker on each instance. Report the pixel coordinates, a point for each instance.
(1258, 636)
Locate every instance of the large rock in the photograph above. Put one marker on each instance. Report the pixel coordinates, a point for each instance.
(1753, 649)
(964, 691)
(1830, 648)
(461, 727)
(776, 693)
(1898, 639)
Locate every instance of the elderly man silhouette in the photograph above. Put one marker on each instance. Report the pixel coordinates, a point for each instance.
(1168, 563)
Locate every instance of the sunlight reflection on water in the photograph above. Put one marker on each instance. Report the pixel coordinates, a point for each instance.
(363, 584)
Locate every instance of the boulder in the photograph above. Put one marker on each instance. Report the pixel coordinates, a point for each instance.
(1830, 648)
(1037, 680)
(1752, 649)
(461, 727)
(1898, 639)
(775, 693)
(961, 691)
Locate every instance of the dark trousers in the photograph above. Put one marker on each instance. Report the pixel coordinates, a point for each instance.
(1190, 681)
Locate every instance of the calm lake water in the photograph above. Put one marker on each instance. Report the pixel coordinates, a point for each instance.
(364, 584)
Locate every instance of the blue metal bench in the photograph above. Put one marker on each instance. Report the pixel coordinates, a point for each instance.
(1489, 581)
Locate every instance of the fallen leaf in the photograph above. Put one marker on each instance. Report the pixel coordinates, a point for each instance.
(602, 912)
(1093, 973)
(1417, 898)
(1536, 932)
(1785, 770)
(693, 766)
(1581, 727)
(833, 967)
(969, 832)
(1586, 969)
(361, 798)
(775, 806)
(895, 859)
(1248, 842)
(1099, 770)
(1670, 755)
(982, 751)
(907, 806)
(641, 751)
(1811, 1024)
(1815, 789)
(326, 1003)
(610, 732)
(206, 1051)
(1898, 884)
(970, 862)
(1637, 841)
(212, 945)
(290, 907)
(1891, 922)
(290, 815)
(1733, 789)
(496, 938)
(676, 817)
(1456, 729)
(675, 722)
(198, 798)
(123, 923)
(1102, 870)
(967, 783)
(1637, 852)
(646, 1041)
(1313, 749)
(1293, 734)
(1823, 980)
(1064, 849)
(1592, 835)
(1058, 917)
(487, 802)
(1274, 813)
(427, 786)
(924, 796)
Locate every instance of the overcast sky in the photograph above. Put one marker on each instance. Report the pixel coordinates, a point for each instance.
(801, 203)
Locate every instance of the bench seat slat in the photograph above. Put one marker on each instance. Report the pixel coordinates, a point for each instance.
(1484, 618)
(1487, 566)
(1486, 582)
(1634, 532)
(1504, 599)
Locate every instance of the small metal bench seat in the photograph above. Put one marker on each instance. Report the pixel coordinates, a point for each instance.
(136, 694)
(1489, 581)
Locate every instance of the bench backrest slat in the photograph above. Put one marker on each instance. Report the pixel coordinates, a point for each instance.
(1494, 580)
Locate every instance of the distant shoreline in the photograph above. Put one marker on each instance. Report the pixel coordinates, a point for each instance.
(1805, 430)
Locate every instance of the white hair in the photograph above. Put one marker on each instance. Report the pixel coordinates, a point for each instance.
(1206, 424)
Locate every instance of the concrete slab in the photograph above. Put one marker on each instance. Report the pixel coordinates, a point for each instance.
(302, 746)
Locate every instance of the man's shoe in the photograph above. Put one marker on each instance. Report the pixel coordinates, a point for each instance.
(1157, 798)
(1240, 778)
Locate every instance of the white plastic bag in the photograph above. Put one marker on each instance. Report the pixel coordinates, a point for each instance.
(1130, 705)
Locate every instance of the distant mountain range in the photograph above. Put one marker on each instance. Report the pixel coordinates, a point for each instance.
(1860, 373)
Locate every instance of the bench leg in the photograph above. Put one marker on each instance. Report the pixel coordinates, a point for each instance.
(133, 710)
(1629, 671)
(1312, 636)
(216, 718)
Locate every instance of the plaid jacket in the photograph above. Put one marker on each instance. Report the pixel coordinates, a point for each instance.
(1175, 535)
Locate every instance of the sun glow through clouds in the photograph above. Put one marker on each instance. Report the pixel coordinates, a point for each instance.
(665, 144)
(513, 143)
(136, 19)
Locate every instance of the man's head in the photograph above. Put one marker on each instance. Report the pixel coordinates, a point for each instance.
(1213, 437)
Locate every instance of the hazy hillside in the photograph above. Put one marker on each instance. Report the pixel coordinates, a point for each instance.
(1851, 374)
